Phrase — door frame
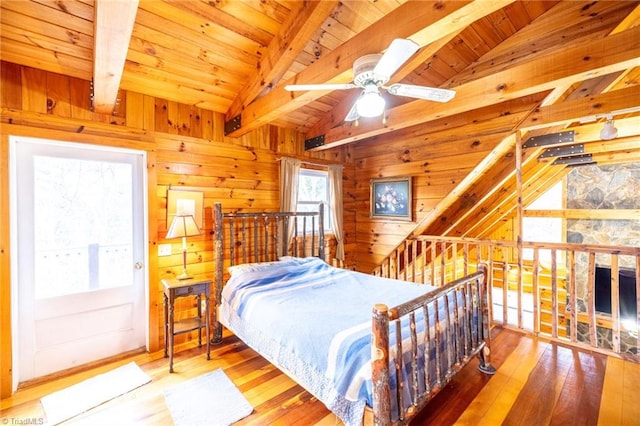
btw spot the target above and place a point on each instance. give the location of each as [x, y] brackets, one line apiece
[13, 237]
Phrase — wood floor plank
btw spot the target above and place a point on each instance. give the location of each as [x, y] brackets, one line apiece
[631, 392]
[579, 400]
[537, 398]
[494, 401]
[610, 401]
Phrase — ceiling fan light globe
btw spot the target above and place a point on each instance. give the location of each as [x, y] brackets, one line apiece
[370, 105]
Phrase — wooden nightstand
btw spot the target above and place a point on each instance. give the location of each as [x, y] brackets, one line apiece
[174, 289]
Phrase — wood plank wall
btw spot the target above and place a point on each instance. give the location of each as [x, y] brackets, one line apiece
[186, 149]
[438, 156]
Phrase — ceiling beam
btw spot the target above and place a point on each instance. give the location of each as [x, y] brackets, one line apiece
[113, 25]
[295, 33]
[439, 18]
[584, 60]
[578, 109]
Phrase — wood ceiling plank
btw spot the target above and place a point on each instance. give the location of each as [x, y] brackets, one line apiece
[208, 13]
[20, 53]
[518, 14]
[75, 8]
[44, 13]
[166, 49]
[614, 53]
[360, 11]
[44, 29]
[113, 26]
[218, 89]
[40, 41]
[282, 51]
[161, 17]
[242, 11]
[182, 69]
[537, 8]
[562, 25]
[339, 26]
[176, 93]
[276, 10]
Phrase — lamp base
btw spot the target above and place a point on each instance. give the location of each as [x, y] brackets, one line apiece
[184, 276]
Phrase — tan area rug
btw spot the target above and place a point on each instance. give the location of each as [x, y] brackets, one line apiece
[74, 400]
[208, 400]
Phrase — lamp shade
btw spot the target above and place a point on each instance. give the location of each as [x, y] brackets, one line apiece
[609, 131]
[183, 226]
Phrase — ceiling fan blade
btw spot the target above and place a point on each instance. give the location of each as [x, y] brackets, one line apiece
[397, 54]
[421, 92]
[353, 113]
[339, 86]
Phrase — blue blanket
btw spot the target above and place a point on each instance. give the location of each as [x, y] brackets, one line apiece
[313, 321]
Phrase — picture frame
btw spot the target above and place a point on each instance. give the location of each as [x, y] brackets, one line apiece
[185, 202]
[391, 198]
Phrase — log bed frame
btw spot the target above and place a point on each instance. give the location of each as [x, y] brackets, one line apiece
[258, 237]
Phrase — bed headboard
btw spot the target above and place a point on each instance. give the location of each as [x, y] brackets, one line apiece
[262, 237]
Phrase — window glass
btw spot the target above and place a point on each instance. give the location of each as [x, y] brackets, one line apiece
[544, 229]
[82, 225]
[313, 189]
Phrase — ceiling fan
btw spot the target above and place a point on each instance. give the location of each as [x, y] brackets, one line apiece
[371, 72]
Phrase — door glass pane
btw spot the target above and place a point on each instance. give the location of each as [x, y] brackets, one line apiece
[83, 225]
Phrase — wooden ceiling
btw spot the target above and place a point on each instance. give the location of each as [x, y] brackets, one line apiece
[234, 57]
[558, 65]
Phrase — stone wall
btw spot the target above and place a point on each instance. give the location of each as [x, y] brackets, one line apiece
[603, 187]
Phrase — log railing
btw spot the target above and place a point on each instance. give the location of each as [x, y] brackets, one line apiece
[548, 289]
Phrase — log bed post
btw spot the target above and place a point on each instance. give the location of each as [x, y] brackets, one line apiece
[218, 257]
[380, 366]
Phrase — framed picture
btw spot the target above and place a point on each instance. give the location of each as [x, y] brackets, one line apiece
[181, 202]
[391, 198]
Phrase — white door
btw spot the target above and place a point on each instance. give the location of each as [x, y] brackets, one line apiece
[79, 231]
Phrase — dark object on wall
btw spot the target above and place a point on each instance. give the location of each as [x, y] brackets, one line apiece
[626, 291]
[391, 198]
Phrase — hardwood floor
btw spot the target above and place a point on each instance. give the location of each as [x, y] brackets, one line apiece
[537, 383]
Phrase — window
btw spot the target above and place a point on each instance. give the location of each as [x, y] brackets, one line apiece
[313, 189]
[544, 229]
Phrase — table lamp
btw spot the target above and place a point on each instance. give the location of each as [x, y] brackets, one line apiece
[183, 226]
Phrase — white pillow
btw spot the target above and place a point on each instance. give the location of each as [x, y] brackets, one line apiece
[255, 267]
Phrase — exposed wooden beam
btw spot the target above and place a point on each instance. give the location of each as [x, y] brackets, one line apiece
[609, 214]
[295, 33]
[113, 26]
[573, 63]
[575, 110]
[440, 18]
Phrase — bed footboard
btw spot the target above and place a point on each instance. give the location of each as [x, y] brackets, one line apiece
[446, 329]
